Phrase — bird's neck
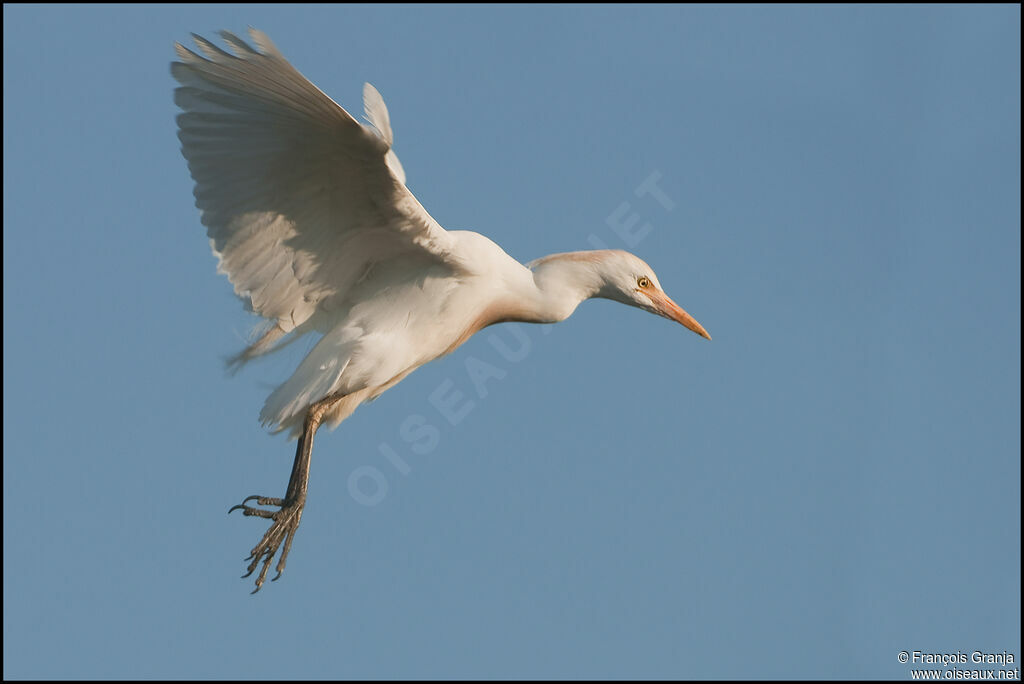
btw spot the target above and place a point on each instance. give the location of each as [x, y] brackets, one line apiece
[562, 281]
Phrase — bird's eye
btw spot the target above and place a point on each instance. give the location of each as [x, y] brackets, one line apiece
[643, 282]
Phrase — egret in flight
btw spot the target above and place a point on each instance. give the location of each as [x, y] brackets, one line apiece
[309, 216]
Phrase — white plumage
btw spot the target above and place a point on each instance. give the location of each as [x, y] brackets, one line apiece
[302, 203]
[309, 216]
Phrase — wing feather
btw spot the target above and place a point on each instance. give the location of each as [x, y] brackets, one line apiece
[298, 198]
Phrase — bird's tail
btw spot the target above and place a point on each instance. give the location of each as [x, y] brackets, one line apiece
[318, 376]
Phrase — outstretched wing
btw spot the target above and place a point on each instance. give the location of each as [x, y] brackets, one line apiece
[300, 201]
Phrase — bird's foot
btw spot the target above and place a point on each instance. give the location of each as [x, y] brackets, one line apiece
[286, 523]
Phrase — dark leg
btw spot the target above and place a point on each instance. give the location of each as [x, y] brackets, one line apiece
[289, 514]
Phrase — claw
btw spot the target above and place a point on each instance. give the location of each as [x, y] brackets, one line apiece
[286, 519]
[259, 498]
[278, 536]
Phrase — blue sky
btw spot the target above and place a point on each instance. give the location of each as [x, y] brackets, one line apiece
[834, 479]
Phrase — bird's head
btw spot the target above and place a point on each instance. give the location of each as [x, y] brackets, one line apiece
[628, 279]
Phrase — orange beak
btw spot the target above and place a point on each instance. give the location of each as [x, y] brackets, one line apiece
[669, 309]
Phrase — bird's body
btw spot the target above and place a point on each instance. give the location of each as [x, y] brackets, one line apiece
[398, 318]
[309, 215]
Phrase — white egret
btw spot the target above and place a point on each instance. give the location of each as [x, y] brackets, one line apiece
[310, 218]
